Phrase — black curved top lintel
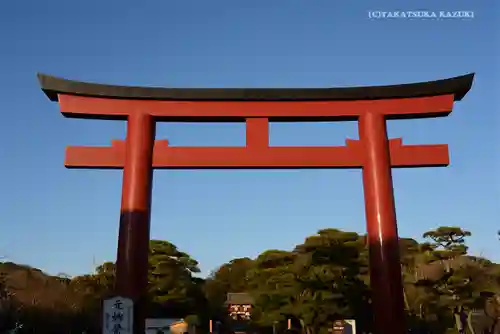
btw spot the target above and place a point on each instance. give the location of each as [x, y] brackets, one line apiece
[458, 86]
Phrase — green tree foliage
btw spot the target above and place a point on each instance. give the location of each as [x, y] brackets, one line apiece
[171, 273]
[322, 279]
[230, 277]
[271, 281]
[172, 287]
[329, 267]
[447, 242]
[8, 306]
[452, 284]
[309, 283]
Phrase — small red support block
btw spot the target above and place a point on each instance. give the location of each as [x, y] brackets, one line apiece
[435, 155]
[257, 132]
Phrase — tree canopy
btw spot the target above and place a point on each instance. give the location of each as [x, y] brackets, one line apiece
[321, 280]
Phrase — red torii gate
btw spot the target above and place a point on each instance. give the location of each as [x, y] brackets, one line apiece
[140, 153]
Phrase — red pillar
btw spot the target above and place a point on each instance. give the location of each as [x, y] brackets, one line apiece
[133, 239]
[385, 268]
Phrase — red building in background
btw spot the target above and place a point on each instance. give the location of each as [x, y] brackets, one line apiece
[239, 308]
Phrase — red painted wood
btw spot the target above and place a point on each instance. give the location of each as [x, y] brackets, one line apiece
[385, 268]
[72, 105]
[257, 133]
[349, 156]
[140, 154]
[133, 240]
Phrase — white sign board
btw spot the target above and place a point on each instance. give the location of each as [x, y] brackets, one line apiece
[118, 316]
[351, 327]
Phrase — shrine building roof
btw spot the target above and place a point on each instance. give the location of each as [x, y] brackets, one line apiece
[239, 298]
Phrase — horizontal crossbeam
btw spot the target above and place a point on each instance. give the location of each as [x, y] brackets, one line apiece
[257, 157]
[238, 111]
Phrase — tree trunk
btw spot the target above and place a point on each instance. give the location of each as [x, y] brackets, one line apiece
[496, 327]
[458, 320]
[469, 323]
[421, 310]
[407, 304]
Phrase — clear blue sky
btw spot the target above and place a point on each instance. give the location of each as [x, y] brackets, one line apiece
[59, 220]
